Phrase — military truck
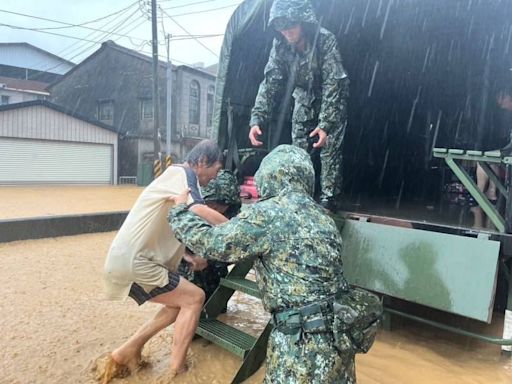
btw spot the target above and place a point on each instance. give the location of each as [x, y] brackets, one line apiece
[423, 81]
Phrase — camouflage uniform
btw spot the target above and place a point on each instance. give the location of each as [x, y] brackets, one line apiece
[223, 189]
[320, 89]
[296, 250]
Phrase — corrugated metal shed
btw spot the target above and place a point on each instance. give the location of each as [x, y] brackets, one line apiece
[41, 142]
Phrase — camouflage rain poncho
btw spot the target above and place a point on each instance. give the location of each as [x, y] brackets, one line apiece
[296, 248]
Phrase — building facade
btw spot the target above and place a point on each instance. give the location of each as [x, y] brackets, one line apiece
[18, 90]
[26, 62]
[115, 84]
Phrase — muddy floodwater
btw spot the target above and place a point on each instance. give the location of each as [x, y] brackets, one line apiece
[32, 201]
[55, 325]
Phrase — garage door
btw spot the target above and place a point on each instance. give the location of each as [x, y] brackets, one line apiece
[52, 162]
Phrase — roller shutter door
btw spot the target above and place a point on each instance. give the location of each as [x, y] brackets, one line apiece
[53, 162]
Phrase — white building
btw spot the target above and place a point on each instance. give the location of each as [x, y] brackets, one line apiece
[42, 143]
[18, 90]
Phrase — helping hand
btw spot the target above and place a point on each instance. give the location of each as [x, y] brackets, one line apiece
[322, 137]
[182, 198]
[253, 133]
[196, 263]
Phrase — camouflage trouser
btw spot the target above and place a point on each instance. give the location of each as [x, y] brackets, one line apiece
[330, 157]
[313, 360]
[208, 279]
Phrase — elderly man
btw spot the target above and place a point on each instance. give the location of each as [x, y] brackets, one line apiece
[305, 59]
[223, 195]
[144, 257]
[296, 248]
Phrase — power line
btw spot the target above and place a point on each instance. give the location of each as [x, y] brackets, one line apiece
[118, 25]
[188, 33]
[49, 33]
[80, 45]
[68, 25]
[121, 24]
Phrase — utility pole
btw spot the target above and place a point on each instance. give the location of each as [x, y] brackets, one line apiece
[169, 98]
[156, 99]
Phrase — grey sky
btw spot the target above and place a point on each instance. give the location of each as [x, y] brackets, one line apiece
[198, 17]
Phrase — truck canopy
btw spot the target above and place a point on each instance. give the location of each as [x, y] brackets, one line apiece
[423, 73]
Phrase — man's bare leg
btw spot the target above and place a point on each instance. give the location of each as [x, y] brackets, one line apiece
[182, 305]
[129, 353]
[190, 300]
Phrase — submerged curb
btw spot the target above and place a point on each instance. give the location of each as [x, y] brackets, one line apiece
[54, 226]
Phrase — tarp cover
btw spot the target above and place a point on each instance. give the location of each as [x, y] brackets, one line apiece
[422, 72]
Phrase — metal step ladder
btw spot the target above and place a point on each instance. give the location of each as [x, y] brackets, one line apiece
[454, 155]
[250, 349]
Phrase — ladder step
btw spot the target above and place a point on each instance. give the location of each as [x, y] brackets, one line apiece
[225, 336]
[493, 153]
[241, 284]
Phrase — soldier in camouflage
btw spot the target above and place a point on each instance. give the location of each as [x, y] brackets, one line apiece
[296, 248]
[305, 59]
[223, 195]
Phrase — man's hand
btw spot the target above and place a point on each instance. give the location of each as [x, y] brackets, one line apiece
[253, 133]
[195, 263]
[322, 137]
[182, 198]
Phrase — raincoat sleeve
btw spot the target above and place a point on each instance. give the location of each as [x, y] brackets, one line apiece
[240, 238]
[333, 111]
[275, 77]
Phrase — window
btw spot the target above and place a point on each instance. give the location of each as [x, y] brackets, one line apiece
[147, 108]
[209, 106]
[5, 100]
[194, 103]
[106, 110]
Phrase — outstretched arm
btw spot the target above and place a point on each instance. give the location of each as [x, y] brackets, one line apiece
[272, 84]
[333, 111]
[210, 215]
[232, 241]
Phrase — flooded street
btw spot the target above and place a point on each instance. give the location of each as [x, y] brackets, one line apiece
[34, 201]
[55, 325]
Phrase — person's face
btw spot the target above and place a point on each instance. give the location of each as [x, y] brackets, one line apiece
[206, 173]
[505, 101]
[293, 34]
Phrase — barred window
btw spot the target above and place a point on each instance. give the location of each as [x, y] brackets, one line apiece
[209, 106]
[147, 108]
[194, 103]
[106, 110]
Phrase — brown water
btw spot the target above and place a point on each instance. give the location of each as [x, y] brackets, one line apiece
[32, 201]
[55, 325]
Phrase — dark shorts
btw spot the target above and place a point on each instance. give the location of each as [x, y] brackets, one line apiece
[138, 293]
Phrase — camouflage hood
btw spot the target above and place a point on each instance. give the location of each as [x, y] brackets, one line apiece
[286, 168]
[299, 11]
[224, 189]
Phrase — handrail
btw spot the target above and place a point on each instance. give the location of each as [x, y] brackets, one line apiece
[487, 339]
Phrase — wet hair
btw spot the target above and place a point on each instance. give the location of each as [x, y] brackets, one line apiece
[206, 151]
